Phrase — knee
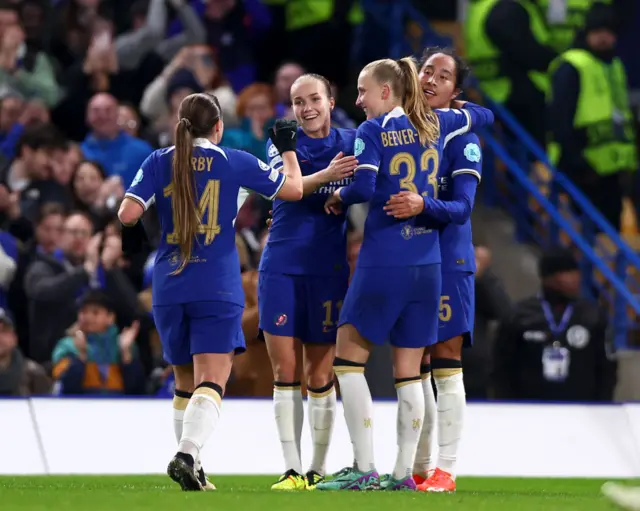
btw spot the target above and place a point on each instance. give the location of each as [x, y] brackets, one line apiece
[318, 367]
[320, 391]
[285, 371]
[319, 379]
[448, 350]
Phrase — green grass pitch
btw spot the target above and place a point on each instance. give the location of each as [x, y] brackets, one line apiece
[158, 493]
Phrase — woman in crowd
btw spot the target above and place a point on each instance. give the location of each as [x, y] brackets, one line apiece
[255, 111]
[94, 193]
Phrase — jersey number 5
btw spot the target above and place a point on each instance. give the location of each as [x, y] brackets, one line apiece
[209, 204]
[428, 163]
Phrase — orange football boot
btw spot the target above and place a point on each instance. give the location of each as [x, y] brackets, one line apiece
[439, 482]
[419, 478]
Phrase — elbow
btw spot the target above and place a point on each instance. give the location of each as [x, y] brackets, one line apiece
[365, 195]
[464, 216]
[291, 191]
[490, 117]
[487, 116]
[295, 194]
[130, 212]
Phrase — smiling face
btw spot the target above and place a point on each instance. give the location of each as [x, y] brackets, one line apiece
[312, 105]
[438, 80]
[372, 95]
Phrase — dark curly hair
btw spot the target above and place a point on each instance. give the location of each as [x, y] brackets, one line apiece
[462, 68]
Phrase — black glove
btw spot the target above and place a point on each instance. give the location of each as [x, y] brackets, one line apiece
[284, 135]
[134, 238]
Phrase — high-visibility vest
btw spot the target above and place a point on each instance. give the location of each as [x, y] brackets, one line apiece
[562, 33]
[304, 13]
[603, 97]
[484, 56]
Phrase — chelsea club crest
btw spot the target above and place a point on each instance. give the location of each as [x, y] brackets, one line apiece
[407, 232]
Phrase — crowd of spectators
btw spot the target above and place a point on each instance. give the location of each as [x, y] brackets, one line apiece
[88, 89]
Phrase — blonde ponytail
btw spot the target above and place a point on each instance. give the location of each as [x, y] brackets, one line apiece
[414, 102]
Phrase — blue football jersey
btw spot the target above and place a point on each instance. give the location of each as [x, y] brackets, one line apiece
[303, 239]
[222, 177]
[462, 156]
[389, 146]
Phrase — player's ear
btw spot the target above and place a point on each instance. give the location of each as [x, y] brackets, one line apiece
[386, 91]
[456, 93]
[218, 130]
[332, 103]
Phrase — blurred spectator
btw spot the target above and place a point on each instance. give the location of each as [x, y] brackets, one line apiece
[29, 177]
[65, 161]
[49, 229]
[99, 71]
[181, 84]
[73, 22]
[567, 18]
[553, 347]
[193, 33]
[492, 305]
[8, 265]
[19, 376]
[255, 110]
[15, 115]
[193, 69]
[592, 126]
[54, 283]
[27, 70]
[129, 120]
[318, 28]
[234, 28]
[119, 153]
[285, 75]
[11, 105]
[43, 240]
[507, 47]
[98, 358]
[94, 193]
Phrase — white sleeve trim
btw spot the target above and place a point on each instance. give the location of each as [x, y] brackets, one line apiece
[284, 178]
[243, 195]
[143, 203]
[366, 166]
[467, 171]
[460, 131]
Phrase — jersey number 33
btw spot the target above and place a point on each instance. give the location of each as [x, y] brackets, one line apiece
[428, 163]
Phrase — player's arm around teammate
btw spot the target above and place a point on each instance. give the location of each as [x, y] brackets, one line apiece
[300, 290]
[387, 89]
[200, 325]
[442, 76]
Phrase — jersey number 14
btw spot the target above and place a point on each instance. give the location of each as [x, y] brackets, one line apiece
[208, 205]
[428, 163]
